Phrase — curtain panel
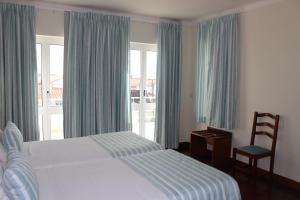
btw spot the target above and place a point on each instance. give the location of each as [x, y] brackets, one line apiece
[168, 85]
[217, 71]
[96, 75]
[18, 69]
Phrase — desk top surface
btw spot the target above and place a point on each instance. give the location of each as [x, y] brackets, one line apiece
[212, 134]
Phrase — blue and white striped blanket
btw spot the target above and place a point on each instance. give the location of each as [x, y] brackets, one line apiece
[181, 177]
[125, 143]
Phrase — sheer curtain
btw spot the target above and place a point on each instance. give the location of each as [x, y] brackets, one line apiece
[168, 85]
[96, 75]
[217, 71]
[18, 69]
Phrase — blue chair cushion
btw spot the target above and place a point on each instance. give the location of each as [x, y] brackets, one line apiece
[255, 150]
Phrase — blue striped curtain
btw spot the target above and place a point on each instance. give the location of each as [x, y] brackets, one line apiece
[168, 85]
[217, 71]
[96, 75]
[18, 69]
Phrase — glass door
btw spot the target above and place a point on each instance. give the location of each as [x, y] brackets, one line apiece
[55, 91]
[143, 88]
[150, 94]
[50, 53]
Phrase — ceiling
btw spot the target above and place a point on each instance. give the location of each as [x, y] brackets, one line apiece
[172, 9]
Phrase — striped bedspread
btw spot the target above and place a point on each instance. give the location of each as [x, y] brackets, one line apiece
[181, 177]
[125, 143]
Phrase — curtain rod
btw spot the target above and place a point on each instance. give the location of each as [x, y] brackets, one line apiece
[63, 7]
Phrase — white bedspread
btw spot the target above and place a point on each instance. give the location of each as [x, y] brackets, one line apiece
[108, 179]
[59, 152]
[157, 175]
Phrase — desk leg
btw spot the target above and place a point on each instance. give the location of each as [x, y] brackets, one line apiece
[197, 146]
[221, 152]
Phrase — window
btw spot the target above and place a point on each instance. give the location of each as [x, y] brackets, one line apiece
[50, 54]
[143, 88]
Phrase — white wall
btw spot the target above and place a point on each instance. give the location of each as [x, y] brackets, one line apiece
[269, 81]
[143, 32]
[270, 71]
[52, 23]
[187, 119]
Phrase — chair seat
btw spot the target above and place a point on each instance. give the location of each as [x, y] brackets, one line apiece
[255, 150]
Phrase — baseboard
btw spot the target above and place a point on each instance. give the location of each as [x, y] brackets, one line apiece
[277, 179]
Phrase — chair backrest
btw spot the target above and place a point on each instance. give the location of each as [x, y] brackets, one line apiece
[257, 122]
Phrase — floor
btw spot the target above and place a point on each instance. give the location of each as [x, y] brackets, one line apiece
[263, 189]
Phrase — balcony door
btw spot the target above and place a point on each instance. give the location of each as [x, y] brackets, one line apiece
[143, 59]
[50, 54]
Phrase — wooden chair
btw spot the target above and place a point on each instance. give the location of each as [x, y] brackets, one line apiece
[254, 152]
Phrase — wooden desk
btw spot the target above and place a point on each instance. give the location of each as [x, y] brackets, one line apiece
[219, 143]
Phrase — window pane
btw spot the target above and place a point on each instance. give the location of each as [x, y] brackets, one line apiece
[41, 127]
[135, 64]
[151, 64]
[57, 131]
[151, 58]
[135, 80]
[150, 123]
[39, 72]
[56, 75]
[151, 76]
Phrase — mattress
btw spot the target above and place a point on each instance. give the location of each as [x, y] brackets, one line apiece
[44, 154]
[103, 179]
[163, 174]
[50, 153]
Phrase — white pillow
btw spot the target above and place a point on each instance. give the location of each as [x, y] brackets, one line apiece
[3, 195]
[12, 137]
[19, 180]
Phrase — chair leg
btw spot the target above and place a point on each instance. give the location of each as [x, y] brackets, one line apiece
[254, 172]
[250, 162]
[250, 168]
[271, 167]
[271, 177]
[233, 162]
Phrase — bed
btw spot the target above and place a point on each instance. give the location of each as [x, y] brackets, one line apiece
[110, 145]
[163, 174]
[109, 166]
